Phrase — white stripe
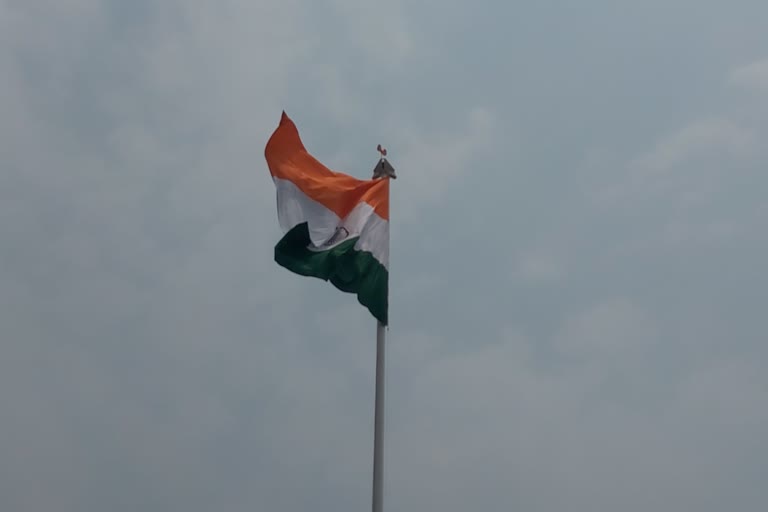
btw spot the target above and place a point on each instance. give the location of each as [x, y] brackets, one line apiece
[374, 235]
[295, 207]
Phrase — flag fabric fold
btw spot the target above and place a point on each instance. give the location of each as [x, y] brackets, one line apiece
[336, 226]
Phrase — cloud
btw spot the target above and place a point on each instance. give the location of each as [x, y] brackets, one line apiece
[383, 33]
[687, 166]
[695, 140]
[549, 351]
[689, 162]
[612, 326]
[752, 76]
[176, 362]
[433, 163]
[498, 418]
[538, 266]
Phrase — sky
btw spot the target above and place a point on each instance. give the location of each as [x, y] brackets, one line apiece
[578, 281]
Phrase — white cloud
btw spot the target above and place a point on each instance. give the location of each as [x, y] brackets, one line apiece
[381, 30]
[688, 163]
[752, 76]
[610, 328]
[431, 163]
[473, 422]
[685, 169]
[700, 138]
[538, 266]
[154, 357]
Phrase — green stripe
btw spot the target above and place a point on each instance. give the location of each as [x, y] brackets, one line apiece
[348, 269]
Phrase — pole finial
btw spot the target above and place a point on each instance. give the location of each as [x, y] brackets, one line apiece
[383, 168]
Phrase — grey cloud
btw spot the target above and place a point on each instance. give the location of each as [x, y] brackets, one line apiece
[753, 75]
[554, 344]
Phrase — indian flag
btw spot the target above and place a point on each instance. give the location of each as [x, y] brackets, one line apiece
[336, 226]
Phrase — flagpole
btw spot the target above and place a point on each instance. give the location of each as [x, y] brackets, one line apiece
[378, 422]
[382, 170]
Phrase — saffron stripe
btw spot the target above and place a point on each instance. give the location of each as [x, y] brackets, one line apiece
[288, 159]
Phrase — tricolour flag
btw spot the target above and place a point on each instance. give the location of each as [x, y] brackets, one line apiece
[336, 226]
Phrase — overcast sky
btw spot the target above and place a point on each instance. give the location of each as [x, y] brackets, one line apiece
[578, 280]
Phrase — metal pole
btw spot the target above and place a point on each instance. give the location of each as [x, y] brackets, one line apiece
[382, 170]
[378, 422]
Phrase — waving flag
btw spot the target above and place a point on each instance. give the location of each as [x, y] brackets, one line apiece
[336, 226]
